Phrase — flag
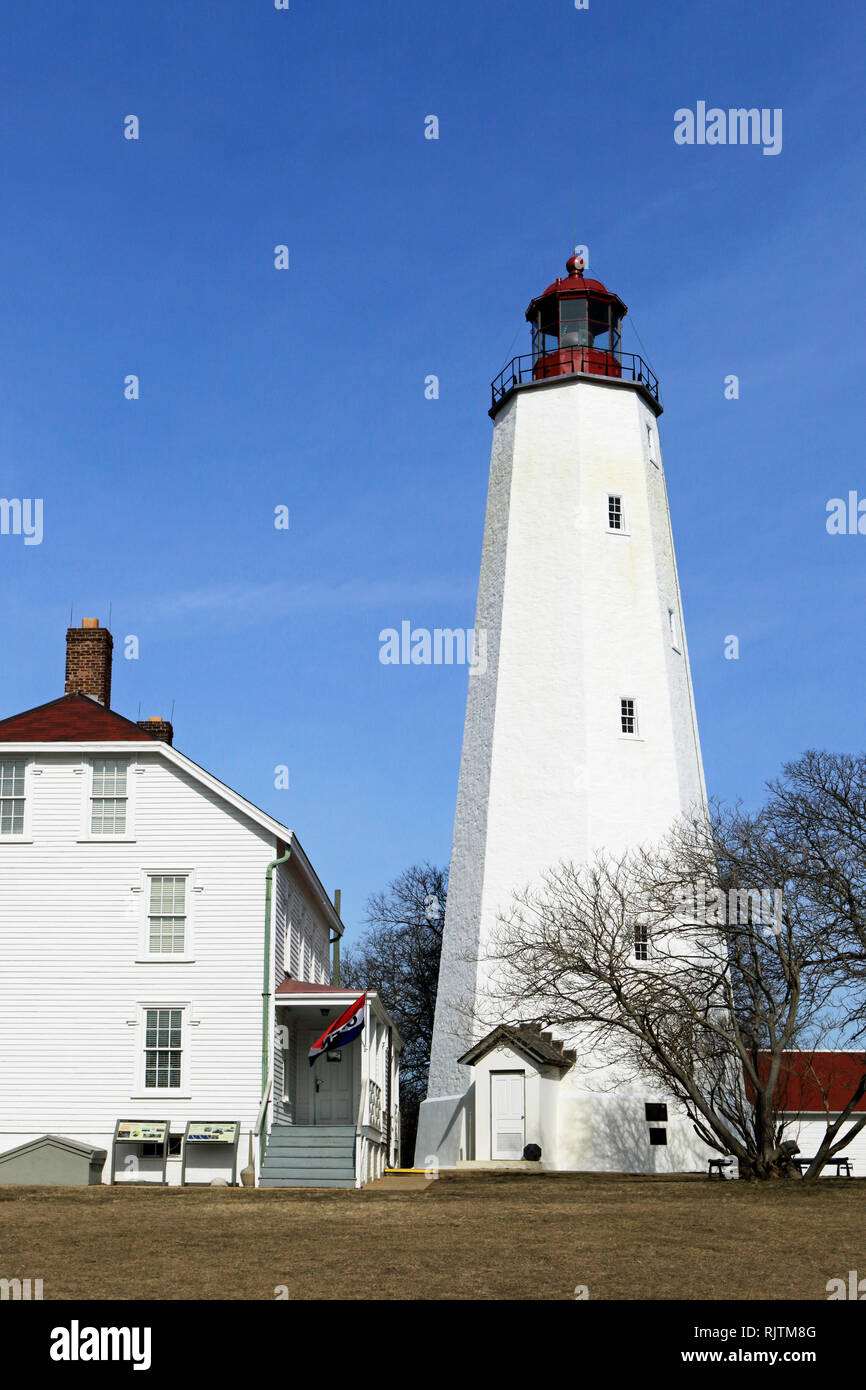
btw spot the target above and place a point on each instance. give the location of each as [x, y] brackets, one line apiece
[344, 1029]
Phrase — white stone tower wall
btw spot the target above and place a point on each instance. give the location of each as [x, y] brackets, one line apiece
[577, 617]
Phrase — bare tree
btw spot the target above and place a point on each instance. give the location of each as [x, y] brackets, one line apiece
[398, 955]
[702, 963]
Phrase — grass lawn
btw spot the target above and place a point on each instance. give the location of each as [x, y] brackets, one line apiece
[484, 1236]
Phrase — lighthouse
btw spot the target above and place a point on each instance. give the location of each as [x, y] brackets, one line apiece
[580, 733]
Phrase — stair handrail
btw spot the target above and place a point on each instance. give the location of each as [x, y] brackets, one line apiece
[266, 1095]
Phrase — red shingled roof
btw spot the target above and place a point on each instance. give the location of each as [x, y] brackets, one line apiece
[71, 719]
[818, 1081]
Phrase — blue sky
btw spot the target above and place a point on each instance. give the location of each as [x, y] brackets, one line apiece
[409, 257]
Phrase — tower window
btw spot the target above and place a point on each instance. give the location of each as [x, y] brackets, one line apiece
[658, 1136]
[650, 445]
[675, 630]
[656, 1112]
[641, 952]
[628, 717]
[615, 518]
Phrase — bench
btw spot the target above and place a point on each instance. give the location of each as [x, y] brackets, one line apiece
[842, 1165]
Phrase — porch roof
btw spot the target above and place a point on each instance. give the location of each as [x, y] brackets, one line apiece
[288, 986]
[290, 991]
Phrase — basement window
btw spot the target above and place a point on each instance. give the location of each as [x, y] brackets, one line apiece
[175, 1145]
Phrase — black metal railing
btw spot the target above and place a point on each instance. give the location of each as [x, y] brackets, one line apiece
[583, 361]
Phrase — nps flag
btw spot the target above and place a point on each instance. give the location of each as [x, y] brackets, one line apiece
[344, 1029]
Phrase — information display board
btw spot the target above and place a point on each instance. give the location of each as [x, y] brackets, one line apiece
[217, 1142]
[133, 1136]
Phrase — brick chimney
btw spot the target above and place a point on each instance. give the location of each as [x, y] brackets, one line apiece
[157, 727]
[88, 661]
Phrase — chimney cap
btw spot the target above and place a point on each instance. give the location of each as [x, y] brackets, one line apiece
[90, 622]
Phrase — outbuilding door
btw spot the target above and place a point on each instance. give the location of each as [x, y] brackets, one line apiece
[507, 1130]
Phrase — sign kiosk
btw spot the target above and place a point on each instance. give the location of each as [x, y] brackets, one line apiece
[146, 1143]
[214, 1145]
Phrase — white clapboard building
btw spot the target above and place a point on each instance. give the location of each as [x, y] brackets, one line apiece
[166, 959]
[580, 734]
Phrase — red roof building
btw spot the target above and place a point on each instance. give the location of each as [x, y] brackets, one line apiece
[817, 1082]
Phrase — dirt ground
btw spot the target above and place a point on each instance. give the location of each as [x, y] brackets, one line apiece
[489, 1236]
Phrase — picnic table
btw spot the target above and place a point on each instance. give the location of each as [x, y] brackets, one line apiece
[842, 1165]
[718, 1165]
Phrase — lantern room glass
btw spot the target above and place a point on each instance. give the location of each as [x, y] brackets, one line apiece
[578, 322]
[573, 325]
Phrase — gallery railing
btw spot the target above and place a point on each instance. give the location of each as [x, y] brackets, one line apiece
[626, 366]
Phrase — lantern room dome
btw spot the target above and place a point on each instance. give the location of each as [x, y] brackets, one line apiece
[571, 283]
[576, 283]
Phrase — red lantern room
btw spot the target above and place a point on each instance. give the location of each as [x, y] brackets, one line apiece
[576, 331]
[576, 327]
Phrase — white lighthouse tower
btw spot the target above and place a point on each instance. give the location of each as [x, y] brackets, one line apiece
[580, 733]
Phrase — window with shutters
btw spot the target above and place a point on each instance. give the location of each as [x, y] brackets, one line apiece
[108, 797]
[12, 799]
[167, 914]
[163, 1049]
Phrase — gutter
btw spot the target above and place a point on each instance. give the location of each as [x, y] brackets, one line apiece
[267, 983]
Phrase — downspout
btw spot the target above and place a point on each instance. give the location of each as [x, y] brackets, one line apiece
[335, 944]
[266, 984]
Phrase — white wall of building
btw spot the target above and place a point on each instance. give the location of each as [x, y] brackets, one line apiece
[577, 617]
[809, 1130]
[76, 975]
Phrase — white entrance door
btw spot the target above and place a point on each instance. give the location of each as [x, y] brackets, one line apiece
[506, 1114]
[331, 1081]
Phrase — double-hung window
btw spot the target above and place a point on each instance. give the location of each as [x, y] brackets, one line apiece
[12, 796]
[108, 797]
[163, 1048]
[628, 717]
[166, 915]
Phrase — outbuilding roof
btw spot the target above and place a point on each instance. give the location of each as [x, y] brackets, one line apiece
[541, 1047]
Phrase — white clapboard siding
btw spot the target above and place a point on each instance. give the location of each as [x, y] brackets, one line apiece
[809, 1131]
[72, 931]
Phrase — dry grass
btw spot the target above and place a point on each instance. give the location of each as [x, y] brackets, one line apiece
[489, 1236]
